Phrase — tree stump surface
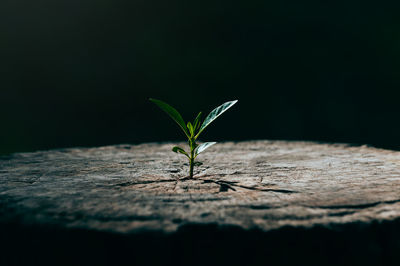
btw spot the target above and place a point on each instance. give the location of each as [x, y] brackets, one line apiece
[262, 185]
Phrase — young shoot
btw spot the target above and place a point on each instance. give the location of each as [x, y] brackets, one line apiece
[193, 130]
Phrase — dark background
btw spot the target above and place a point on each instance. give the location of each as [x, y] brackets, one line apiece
[79, 73]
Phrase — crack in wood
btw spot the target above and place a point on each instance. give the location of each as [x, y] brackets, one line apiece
[356, 206]
[232, 184]
[224, 185]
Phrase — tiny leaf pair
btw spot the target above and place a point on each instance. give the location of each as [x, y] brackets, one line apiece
[193, 130]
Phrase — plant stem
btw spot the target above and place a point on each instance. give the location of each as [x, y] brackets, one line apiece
[191, 168]
[192, 145]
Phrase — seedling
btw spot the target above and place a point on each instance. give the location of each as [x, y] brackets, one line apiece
[193, 130]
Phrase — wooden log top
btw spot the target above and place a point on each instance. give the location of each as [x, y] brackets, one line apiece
[255, 184]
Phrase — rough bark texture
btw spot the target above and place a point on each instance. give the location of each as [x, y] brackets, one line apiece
[255, 188]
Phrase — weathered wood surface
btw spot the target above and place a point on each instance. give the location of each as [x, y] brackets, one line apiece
[257, 184]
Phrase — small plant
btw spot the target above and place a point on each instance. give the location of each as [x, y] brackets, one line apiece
[193, 130]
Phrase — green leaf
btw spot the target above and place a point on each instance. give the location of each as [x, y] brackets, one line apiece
[173, 113]
[202, 147]
[179, 150]
[191, 129]
[197, 163]
[196, 123]
[214, 114]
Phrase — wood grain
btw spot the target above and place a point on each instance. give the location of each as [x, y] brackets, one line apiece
[260, 185]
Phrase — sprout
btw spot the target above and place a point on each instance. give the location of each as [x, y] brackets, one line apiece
[193, 130]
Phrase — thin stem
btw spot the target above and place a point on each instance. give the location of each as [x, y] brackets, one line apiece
[191, 168]
[192, 145]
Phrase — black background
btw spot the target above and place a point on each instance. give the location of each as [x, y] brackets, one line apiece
[79, 73]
